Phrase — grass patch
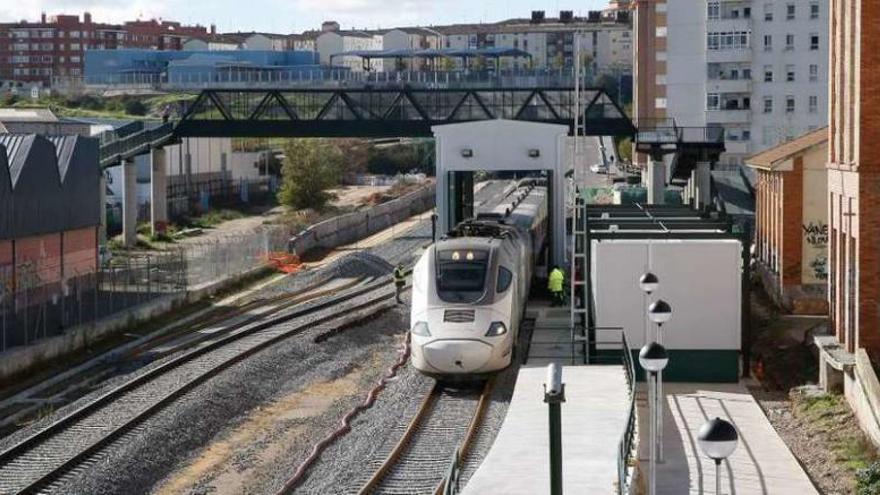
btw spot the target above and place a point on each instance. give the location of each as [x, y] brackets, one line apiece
[214, 217]
[831, 414]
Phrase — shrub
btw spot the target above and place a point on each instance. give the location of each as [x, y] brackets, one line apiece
[868, 480]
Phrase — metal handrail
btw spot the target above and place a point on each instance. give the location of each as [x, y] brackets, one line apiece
[625, 447]
[133, 143]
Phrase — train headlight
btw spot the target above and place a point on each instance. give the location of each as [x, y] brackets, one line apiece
[421, 329]
[496, 328]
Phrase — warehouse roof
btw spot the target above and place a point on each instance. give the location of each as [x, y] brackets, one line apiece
[772, 158]
[53, 183]
[27, 115]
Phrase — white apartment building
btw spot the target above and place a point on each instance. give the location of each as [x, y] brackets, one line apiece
[758, 68]
[331, 43]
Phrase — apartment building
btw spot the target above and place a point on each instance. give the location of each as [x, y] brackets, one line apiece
[758, 68]
[605, 42]
[330, 43]
[38, 52]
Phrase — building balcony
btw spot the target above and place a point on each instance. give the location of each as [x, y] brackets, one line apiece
[729, 86]
[730, 24]
[722, 56]
[728, 116]
[738, 147]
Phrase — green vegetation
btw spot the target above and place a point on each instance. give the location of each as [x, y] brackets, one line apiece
[399, 159]
[212, 218]
[311, 166]
[87, 105]
[830, 413]
[868, 480]
[624, 149]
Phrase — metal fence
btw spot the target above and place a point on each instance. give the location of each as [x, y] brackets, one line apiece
[31, 309]
[230, 255]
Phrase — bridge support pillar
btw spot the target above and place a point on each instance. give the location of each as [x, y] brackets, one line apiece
[129, 203]
[102, 200]
[703, 185]
[158, 190]
[656, 181]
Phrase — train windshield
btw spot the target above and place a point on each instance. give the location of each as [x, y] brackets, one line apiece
[461, 274]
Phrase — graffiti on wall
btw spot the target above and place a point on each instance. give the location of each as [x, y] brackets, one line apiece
[815, 250]
[816, 234]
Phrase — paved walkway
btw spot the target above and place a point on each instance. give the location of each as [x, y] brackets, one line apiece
[761, 464]
[593, 420]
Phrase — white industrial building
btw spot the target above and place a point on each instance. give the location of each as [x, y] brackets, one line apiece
[761, 66]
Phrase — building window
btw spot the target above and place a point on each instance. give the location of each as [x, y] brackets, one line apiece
[789, 12]
[746, 135]
[789, 73]
[713, 101]
[814, 41]
[660, 103]
[729, 40]
[814, 72]
[768, 42]
[789, 42]
[768, 12]
[714, 10]
[768, 73]
[767, 136]
[768, 104]
[789, 104]
[814, 10]
[74, 46]
[814, 104]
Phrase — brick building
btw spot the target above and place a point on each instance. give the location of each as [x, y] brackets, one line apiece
[49, 211]
[854, 175]
[791, 226]
[52, 49]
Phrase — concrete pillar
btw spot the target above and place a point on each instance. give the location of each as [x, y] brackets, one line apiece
[158, 190]
[656, 182]
[692, 189]
[129, 203]
[703, 184]
[102, 200]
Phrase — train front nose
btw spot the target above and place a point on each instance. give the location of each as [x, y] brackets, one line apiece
[457, 356]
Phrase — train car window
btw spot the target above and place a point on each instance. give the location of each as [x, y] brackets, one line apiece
[461, 274]
[505, 277]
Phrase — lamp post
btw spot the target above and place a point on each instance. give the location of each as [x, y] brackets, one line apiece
[648, 283]
[653, 359]
[659, 312]
[717, 439]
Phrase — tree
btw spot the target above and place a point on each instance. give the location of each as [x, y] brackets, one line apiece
[311, 166]
[135, 107]
[356, 154]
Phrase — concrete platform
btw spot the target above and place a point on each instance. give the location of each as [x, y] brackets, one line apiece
[593, 421]
[761, 464]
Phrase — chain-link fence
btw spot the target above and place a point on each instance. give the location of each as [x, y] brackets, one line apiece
[32, 309]
[232, 254]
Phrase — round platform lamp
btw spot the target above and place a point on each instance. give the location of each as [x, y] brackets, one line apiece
[648, 283]
[660, 312]
[653, 358]
[718, 439]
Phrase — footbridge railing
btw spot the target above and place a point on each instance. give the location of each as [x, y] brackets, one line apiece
[626, 446]
[136, 144]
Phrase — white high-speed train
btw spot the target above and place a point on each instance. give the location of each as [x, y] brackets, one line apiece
[470, 288]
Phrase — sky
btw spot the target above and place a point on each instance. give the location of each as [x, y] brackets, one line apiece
[294, 15]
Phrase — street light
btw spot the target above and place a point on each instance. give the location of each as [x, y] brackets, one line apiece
[648, 283]
[660, 312]
[718, 439]
[653, 358]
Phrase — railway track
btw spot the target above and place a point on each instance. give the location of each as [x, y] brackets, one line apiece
[40, 461]
[444, 426]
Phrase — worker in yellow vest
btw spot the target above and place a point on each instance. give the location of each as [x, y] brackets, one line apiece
[555, 283]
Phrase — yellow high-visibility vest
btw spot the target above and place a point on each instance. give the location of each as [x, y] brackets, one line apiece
[556, 280]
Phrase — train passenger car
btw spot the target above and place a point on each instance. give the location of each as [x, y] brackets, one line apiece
[470, 289]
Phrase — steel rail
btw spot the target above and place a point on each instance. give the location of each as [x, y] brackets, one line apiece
[417, 423]
[59, 426]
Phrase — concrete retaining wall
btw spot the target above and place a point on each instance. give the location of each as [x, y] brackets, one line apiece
[862, 390]
[351, 227]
